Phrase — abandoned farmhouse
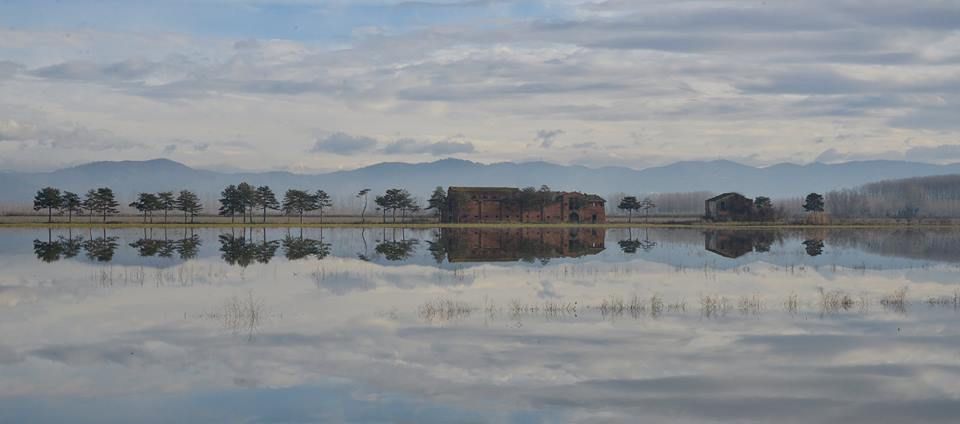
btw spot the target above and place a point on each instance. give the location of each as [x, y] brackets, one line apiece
[508, 204]
[729, 207]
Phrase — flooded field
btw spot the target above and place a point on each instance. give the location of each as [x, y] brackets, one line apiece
[479, 325]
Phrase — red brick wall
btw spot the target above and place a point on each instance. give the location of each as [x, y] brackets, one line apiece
[498, 206]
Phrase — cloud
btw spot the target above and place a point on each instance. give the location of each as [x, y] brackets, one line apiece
[9, 69]
[440, 148]
[943, 152]
[65, 136]
[343, 144]
[547, 137]
[169, 149]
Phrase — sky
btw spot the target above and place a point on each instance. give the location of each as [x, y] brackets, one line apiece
[312, 86]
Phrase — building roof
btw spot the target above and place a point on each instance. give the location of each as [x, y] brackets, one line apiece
[727, 194]
[483, 189]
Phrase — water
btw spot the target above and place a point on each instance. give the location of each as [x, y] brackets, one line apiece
[519, 325]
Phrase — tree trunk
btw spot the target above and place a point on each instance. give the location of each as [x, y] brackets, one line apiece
[49, 215]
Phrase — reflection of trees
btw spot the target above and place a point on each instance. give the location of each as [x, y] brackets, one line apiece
[631, 245]
[237, 250]
[814, 247]
[47, 251]
[295, 248]
[186, 247]
[52, 251]
[101, 249]
[71, 245]
[396, 250]
[438, 248]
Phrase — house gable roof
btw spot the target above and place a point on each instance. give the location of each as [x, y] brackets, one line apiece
[728, 194]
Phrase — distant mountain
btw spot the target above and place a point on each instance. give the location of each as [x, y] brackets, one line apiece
[129, 177]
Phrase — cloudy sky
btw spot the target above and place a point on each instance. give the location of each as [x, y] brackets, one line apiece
[306, 85]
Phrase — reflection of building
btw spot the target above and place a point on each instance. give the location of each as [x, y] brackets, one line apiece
[729, 207]
[512, 244]
[736, 243]
[507, 204]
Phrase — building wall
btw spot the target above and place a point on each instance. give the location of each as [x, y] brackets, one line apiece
[498, 205]
[729, 208]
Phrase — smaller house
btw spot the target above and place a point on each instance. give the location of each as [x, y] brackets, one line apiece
[729, 207]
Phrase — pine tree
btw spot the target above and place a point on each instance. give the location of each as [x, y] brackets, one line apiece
[265, 199]
[188, 203]
[71, 203]
[166, 202]
[47, 198]
[322, 200]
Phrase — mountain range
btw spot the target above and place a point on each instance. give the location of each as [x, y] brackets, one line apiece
[781, 180]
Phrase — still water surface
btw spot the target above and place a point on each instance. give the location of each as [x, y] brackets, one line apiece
[468, 325]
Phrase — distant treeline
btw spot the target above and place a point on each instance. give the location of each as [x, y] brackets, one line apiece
[934, 197]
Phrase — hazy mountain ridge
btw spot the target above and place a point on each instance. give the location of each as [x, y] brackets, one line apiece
[129, 177]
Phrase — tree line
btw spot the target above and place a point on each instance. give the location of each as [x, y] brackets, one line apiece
[243, 200]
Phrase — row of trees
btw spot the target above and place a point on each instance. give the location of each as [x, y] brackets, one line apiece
[631, 204]
[185, 201]
[103, 203]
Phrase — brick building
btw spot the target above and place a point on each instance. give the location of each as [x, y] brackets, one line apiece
[508, 204]
[729, 207]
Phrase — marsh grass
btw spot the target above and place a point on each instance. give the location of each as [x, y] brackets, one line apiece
[792, 304]
[444, 309]
[750, 304]
[896, 301]
[834, 301]
[948, 301]
[715, 306]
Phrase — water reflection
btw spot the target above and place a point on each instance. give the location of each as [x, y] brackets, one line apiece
[517, 244]
[437, 326]
[299, 247]
[632, 245]
[450, 246]
[736, 243]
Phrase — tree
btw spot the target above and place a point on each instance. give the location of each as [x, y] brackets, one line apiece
[188, 203]
[646, 204]
[47, 198]
[526, 197]
[166, 203]
[298, 202]
[544, 196]
[383, 203]
[629, 204]
[321, 200]
[106, 202]
[405, 202]
[146, 203]
[392, 200]
[90, 203]
[764, 208]
[813, 203]
[437, 201]
[230, 202]
[246, 200]
[265, 199]
[71, 203]
[363, 193]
